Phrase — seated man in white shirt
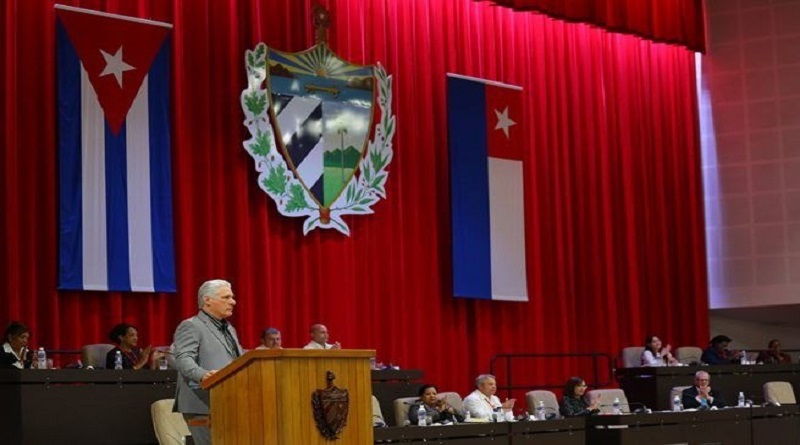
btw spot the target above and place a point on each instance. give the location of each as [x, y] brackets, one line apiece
[319, 338]
[482, 402]
[270, 339]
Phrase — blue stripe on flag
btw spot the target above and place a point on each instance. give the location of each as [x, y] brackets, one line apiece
[70, 252]
[469, 185]
[161, 173]
[119, 277]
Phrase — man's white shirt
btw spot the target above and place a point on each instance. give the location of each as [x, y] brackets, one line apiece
[480, 406]
[314, 345]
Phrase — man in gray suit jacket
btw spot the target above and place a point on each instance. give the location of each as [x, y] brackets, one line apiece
[203, 345]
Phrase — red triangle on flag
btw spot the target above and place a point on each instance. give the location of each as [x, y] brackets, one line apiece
[116, 52]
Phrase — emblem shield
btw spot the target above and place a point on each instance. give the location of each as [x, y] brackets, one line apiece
[321, 109]
[331, 406]
[310, 116]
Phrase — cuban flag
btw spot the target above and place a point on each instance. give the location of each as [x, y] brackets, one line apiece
[486, 141]
[115, 191]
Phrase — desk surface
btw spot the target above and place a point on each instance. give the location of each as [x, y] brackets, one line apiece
[51, 376]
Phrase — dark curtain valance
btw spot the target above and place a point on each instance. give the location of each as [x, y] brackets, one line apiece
[672, 21]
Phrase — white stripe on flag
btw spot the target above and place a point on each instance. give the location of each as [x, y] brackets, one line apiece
[313, 164]
[140, 240]
[507, 230]
[93, 188]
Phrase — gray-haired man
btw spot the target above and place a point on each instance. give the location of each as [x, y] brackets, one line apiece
[203, 345]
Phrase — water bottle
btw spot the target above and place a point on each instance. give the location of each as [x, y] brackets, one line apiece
[499, 415]
[616, 406]
[118, 360]
[741, 403]
[540, 414]
[467, 416]
[41, 359]
[743, 360]
[676, 404]
[422, 416]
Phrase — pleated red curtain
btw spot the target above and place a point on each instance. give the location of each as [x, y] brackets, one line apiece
[676, 21]
[614, 199]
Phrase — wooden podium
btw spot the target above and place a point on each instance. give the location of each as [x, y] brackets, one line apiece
[265, 396]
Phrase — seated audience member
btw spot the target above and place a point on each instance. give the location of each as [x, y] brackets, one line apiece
[319, 338]
[773, 354]
[482, 402]
[15, 352]
[270, 339]
[438, 410]
[574, 404]
[127, 339]
[717, 353]
[701, 395]
[656, 355]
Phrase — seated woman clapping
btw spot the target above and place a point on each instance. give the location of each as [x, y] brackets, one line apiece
[655, 354]
[574, 404]
[437, 410]
[127, 339]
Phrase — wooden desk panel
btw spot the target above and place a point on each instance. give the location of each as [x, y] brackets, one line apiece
[75, 406]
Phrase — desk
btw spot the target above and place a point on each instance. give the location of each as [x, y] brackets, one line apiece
[390, 384]
[570, 431]
[778, 425]
[462, 434]
[76, 406]
[727, 426]
[652, 385]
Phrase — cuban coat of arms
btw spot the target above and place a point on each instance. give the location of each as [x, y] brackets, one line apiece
[310, 115]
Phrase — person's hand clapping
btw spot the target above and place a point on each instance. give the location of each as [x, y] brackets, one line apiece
[144, 357]
[509, 404]
[336, 345]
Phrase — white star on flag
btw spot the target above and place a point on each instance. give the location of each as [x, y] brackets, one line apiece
[115, 65]
[503, 122]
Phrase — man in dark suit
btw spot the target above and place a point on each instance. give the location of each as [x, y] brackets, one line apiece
[701, 395]
[203, 345]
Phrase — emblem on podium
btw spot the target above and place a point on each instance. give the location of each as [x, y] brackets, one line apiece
[310, 115]
[331, 406]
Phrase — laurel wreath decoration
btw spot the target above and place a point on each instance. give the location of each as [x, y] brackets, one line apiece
[277, 180]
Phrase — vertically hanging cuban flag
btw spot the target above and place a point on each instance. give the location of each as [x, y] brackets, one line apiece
[486, 139]
[114, 152]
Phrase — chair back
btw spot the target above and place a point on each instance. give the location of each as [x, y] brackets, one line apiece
[453, 399]
[532, 398]
[377, 415]
[779, 392]
[401, 409]
[95, 354]
[632, 356]
[688, 354]
[170, 427]
[676, 391]
[607, 397]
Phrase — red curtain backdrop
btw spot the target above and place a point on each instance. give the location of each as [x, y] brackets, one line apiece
[614, 210]
[675, 21]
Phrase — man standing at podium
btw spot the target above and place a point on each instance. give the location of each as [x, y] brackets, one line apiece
[203, 345]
